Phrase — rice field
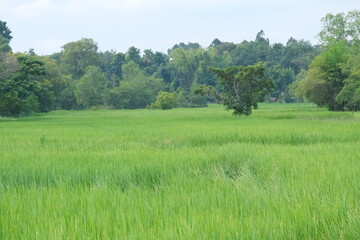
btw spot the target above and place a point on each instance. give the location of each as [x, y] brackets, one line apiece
[285, 172]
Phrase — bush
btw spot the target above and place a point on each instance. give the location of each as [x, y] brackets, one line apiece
[165, 100]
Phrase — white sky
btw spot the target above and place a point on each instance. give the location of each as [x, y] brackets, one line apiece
[46, 25]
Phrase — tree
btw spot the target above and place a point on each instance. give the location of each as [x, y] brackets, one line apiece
[242, 87]
[184, 64]
[184, 46]
[77, 56]
[249, 53]
[136, 90]
[340, 27]
[203, 75]
[282, 78]
[133, 54]
[8, 65]
[112, 67]
[53, 83]
[215, 42]
[297, 55]
[349, 96]
[20, 92]
[332, 80]
[5, 31]
[325, 78]
[153, 62]
[165, 100]
[90, 89]
[5, 37]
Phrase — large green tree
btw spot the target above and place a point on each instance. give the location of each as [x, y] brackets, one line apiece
[242, 87]
[77, 56]
[325, 77]
[20, 92]
[332, 79]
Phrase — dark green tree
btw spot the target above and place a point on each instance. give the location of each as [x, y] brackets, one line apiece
[112, 63]
[5, 37]
[133, 54]
[242, 87]
[20, 92]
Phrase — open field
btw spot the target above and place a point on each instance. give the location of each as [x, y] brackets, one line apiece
[285, 172]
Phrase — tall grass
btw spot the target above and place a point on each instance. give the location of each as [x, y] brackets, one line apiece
[285, 172]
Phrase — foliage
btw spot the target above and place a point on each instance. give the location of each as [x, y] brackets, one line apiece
[243, 87]
[283, 77]
[112, 67]
[349, 96]
[5, 38]
[19, 93]
[133, 54]
[182, 70]
[325, 77]
[165, 100]
[8, 65]
[333, 79]
[184, 64]
[135, 90]
[90, 89]
[79, 55]
[340, 27]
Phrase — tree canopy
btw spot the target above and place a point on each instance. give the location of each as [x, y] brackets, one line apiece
[333, 77]
[80, 76]
[242, 87]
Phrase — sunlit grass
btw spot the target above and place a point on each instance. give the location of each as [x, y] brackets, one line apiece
[285, 172]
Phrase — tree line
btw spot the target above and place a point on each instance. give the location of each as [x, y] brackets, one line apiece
[82, 77]
[333, 77]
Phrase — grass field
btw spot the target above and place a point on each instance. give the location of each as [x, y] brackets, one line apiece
[285, 172]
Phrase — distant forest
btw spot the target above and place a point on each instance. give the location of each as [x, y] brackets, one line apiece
[82, 77]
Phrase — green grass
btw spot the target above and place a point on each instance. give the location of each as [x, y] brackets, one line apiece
[285, 172]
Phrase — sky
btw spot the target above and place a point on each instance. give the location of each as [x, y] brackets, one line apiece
[47, 25]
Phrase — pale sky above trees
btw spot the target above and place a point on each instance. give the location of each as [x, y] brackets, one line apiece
[46, 25]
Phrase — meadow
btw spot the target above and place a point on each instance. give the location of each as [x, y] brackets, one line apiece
[285, 172]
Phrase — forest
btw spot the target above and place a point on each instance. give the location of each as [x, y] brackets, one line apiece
[82, 77]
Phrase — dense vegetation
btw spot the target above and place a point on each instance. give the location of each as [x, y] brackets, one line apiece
[81, 77]
[181, 174]
[333, 79]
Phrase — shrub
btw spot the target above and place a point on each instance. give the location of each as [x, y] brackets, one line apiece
[165, 100]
